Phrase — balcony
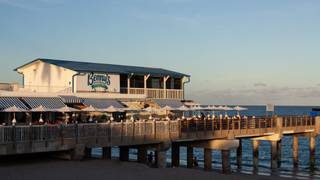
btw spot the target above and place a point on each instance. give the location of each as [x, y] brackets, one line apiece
[155, 93]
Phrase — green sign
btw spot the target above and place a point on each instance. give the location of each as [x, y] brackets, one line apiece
[98, 81]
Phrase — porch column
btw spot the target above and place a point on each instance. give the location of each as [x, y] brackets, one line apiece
[128, 83]
[146, 77]
[165, 86]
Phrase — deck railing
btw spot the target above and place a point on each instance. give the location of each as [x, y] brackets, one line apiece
[116, 132]
[149, 131]
[155, 93]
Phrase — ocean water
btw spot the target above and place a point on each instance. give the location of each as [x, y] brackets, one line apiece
[286, 170]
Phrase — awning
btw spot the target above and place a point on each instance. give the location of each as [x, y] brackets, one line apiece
[102, 103]
[71, 100]
[6, 102]
[47, 102]
[168, 102]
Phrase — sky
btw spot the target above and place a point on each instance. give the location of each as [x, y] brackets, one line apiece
[236, 51]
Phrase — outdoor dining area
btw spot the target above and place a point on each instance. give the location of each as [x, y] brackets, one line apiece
[38, 111]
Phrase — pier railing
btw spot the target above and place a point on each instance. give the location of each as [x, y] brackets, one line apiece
[65, 136]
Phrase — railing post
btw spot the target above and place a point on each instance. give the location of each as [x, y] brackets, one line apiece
[169, 128]
[61, 134]
[220, 119]
[46, 134]
[76, 132]
[179, 128]
[121, 131]
[133, 129]
[279, 125]
[96, 132]
[154, 129]
[13, 136]
[144, 130]
[30, 135]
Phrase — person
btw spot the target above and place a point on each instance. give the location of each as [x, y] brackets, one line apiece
[195, 162]
[150, 158]
[202, 116]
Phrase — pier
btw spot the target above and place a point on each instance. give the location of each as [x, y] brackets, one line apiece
[75, 141]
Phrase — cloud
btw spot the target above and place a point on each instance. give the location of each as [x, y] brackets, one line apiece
[259, 84]
[261, 96]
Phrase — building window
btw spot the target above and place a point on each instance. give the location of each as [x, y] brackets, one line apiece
[123, 81]
[137, 81]
[155, 82]
[177, 83]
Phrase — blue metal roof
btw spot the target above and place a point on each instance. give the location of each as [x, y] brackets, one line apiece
[109, 68]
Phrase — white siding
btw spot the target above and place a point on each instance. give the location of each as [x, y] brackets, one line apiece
[44, 77]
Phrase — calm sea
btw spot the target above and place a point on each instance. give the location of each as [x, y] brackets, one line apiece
[286, 170]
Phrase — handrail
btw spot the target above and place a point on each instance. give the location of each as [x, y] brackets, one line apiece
[149, 130]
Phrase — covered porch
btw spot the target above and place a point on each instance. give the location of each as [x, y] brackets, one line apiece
[156, 87]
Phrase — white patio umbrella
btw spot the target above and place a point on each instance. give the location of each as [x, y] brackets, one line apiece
[89, 109]
[211, 108]
[14, 109]
[225, 109]
[238, 109]
[128, 109]
[112, 109]
[67, 109]
[197, 108]
[183, 108]
[151, 110]
[41, 109]
[167, 108]
[132, 110]
[221, 108]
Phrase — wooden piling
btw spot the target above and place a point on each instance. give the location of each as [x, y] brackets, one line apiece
[189, 156]
[275, 154]
[142, 154]
[124, 153]
[207, 159]
[175, 155]
[239, 154]
[226, 168]
[255, 145]
[295, 150]
[106, 152]
[87, 152]
[312, 146]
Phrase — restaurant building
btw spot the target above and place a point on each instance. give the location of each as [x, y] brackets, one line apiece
[87, 79]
